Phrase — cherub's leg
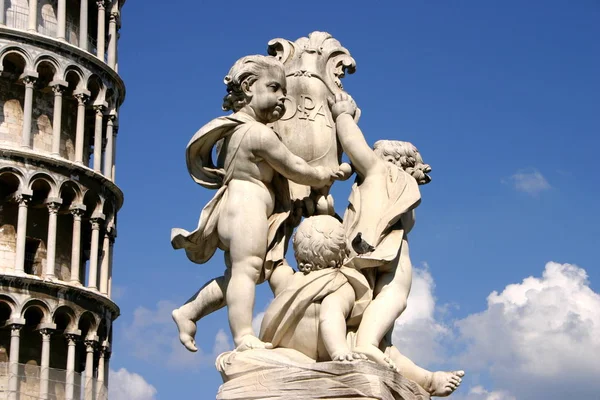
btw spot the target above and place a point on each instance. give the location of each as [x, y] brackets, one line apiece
[210, 298]
[335, 308]
[248, 246]
[391, 292]
[439, 383]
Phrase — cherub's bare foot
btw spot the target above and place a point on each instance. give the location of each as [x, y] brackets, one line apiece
[374, 354]
[444, 383]
[249, 342]
[187, 330]
[348, 356]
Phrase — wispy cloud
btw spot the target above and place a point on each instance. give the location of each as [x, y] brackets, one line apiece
[152, 337]
[529, 181]
[125, 385]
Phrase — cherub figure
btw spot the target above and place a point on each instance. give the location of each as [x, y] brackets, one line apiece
[377, 221]
[237, 219]
[311, 306]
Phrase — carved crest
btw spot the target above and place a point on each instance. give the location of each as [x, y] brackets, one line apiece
[314, 67]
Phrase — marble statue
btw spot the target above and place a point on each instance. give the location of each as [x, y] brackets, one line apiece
[278, 154]
[237, 218]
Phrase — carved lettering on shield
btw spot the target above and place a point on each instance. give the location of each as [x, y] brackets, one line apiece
[306, 109]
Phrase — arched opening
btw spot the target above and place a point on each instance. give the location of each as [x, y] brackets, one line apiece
[17, 14]
[5, 314]
[13, 65]
[31, 341]
[43, 110]
[87, 326]
[9, 186]
[91, 201]
[47, 17]
[30, 349]
[12, 97]
[64, 318]
[96, 96]
[69, 117]
[37, 227]
[70, 196]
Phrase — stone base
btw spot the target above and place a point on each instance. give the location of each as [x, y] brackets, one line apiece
[284, 374]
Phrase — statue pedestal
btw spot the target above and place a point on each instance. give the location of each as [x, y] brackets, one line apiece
[284, 374]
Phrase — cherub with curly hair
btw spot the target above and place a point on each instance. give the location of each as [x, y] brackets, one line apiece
[377, 222]
[244, 213]
[311, 307]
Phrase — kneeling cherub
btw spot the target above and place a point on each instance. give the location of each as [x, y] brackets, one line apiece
[313, 307]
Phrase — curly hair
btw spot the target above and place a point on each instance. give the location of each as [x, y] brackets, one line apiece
[320, 242]
[246, 69]
[406, 156]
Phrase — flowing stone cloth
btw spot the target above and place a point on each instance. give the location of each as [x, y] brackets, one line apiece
[392, 219]
[288, 311]
[201, 244]
[284, 374]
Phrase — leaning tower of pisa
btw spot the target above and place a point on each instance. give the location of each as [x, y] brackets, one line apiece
[60, 94]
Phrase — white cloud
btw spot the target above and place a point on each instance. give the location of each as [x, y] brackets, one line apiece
[529, 181]
[152, 336]
[538, 339]
[125, 385]
[480, 393]
[417, 333]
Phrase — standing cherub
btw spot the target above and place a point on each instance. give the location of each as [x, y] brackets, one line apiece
[377, 221]
[237, 219]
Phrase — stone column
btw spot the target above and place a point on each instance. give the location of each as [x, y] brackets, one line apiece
[107, 367]
[108, 151]
[117, 51]
[104, 267]
[13, 374]
[58, 89]
[113, 173]
[100, 378]
[82, 98]
[112, 39]
[89, 370]
[23, 199]
[45, 364]
[101, 48]
[2, 13]
[61, 20]
[29, 81]
[70, 383]
[83, 25]
[110, 262]
[53, 205]
[32, 17]
[99, 110]
[93, 277]
[77, 212]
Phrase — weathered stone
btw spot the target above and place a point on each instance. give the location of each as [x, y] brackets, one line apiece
[277, 374]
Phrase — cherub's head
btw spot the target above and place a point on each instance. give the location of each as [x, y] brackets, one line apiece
[320, 242]
[258, 82]
[406, 156]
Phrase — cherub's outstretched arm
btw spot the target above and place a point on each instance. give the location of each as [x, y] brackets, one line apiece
[268, 146]
[364, 160]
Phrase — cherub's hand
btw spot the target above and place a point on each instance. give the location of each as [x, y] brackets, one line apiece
[342, 104]
[327, 175]
[346, 171]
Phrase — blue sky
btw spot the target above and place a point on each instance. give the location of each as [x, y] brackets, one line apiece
[502, 98]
